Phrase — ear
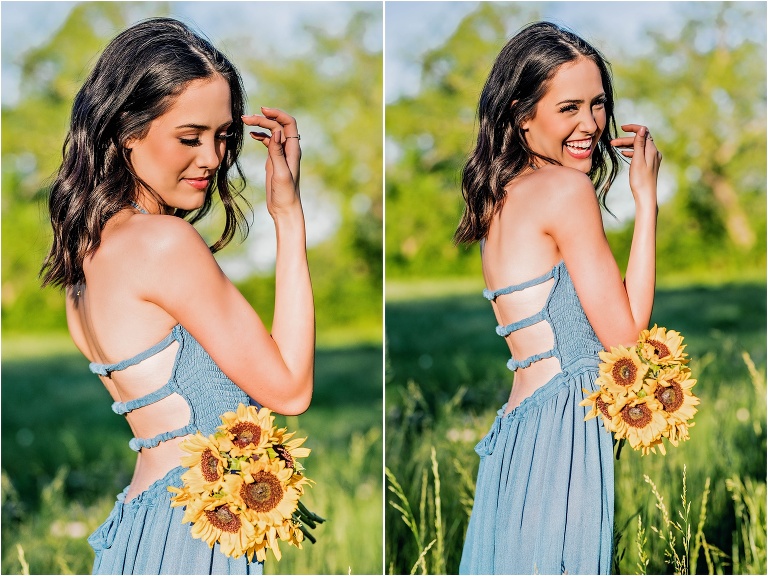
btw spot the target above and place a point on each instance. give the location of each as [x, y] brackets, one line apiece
[523, 125]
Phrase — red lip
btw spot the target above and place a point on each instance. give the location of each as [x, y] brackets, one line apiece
[197, 183]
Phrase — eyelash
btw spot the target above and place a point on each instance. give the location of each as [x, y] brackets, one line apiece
[196, 141]
[573, 107]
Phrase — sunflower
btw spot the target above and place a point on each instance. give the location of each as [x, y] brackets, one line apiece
[598, 403]
[289, 450]
[248, 430]
[206, 464]
[639, 420]
[662, 346]
[621, 371]
[217, 520]
[673, 391]
[267, 491]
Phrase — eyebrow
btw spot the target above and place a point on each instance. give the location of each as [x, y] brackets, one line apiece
[573, 101]
[202, 127]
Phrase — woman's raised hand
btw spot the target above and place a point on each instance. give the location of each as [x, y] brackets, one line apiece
[644, 167]
[283, 161]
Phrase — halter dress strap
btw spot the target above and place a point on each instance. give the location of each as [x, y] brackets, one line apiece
[139, 208]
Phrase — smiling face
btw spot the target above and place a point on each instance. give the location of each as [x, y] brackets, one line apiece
[183, 148]
[570, 117]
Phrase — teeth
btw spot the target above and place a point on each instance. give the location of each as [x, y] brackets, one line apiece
[583, 146]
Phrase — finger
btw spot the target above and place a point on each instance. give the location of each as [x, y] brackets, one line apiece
[277, 156]
[625, 141]
[632, 127]
[640, 141]
[280, 116]
[263, 138]
[291, 131]
[261, 122]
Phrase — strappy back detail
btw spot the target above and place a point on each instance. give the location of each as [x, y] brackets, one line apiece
[561, 308]
[107, 369]
[541, 315]
[195, 377]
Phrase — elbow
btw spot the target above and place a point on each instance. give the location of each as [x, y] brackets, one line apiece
[297, 405]
[297, 401]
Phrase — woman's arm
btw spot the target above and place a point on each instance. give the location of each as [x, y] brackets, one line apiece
[184, 279]
[617, 310]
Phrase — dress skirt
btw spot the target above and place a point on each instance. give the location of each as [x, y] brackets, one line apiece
[145, 536]
[544, 497]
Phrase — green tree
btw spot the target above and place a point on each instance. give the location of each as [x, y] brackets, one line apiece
[705, 88]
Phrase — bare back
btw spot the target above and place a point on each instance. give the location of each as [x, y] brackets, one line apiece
[110, 321]
[516, 250]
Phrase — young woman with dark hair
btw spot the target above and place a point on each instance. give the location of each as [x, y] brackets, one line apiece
[547, 142]
[155, 132]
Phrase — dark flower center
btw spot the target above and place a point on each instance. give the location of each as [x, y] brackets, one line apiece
[637, 416]
[603, 407]
[624, 372]
[659, 348]
[284, 454]
[264, 494]
[245, 433]
[223, 519]
[209, 465]
[671, 397]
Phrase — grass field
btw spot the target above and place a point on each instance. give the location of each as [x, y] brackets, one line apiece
[65, 456]
[446, 377]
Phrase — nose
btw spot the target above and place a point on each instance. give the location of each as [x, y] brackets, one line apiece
[588, 122]
[209, 154]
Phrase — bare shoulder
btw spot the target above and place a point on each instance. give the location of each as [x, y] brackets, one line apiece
[560, 183]
[553, 193]
[148, 238]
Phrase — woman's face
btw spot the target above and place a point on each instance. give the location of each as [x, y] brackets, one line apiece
[183, 148]
[570, 117]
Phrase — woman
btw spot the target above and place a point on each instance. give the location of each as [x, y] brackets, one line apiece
[544, 500]
[155, 131]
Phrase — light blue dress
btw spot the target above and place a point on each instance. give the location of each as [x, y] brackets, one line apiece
[145, 535]
[544, 497]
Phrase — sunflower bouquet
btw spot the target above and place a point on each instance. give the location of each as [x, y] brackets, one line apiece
[644, 392]
[243, 486]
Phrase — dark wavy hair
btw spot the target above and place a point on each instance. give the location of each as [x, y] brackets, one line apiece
[518, 80]
[135, 80]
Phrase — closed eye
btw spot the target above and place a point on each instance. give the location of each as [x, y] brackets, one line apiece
[190, 141]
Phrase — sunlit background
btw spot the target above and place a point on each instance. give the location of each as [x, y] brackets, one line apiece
[64, 453]
[695, 73]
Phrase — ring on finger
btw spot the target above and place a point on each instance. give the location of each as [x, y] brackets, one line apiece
[298, 137]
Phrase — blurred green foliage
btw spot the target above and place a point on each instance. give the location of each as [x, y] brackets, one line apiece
[703, 92]
[334, 86]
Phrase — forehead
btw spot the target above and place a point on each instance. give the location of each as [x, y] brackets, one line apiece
[574, 78]
[206, 102]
